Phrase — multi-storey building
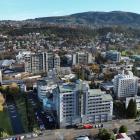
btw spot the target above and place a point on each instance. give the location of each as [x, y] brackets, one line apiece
[41, 62]
[113, 56]
[50, 61]
[56, 61]
[100, 106]
[37, 63]
[22, 55]
[45, 88]
[125, 85]
[76, 103]
[82, 58]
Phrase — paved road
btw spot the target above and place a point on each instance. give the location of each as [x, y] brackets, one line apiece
[15, 119]
[130, 123]
[67, 134]
[59, 134]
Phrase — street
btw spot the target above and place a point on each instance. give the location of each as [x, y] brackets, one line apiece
[60, 134]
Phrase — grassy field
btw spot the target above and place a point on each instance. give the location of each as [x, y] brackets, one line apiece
[5, 122]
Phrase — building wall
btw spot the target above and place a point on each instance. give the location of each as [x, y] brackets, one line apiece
[125, 85]
[113, 56]
[99, 109]
[81, 107]
[82, 58]
[41, 62]
[44, 89]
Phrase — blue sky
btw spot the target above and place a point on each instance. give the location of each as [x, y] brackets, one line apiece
[25, 9]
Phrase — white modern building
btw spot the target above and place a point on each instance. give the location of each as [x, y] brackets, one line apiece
[125, 85]
[76, 103]
[136, 98]
[22, 55]
[45, 88]
[82, 58]
[113, 56]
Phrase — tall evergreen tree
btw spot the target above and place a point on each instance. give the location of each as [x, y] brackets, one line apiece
[131, 111]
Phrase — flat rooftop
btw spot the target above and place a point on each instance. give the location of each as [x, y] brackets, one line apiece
[98, 92]
[69, 87]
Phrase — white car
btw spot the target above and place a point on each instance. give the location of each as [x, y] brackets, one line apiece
[35, 135]
[22, 137]
[28, 136]
[82, 138]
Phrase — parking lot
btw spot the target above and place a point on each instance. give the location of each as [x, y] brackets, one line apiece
[45, 120]
[15, 118]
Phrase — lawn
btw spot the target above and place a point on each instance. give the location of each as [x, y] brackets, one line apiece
[5, 122]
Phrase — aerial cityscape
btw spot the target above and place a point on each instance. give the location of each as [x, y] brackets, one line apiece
[70, 70]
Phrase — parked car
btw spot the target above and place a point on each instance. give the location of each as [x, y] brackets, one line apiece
[34, 135]
[98, 125]
[87, 126]
[70, 126]
[82, 138]
[79, 126]
[22, 137]
[28, 136]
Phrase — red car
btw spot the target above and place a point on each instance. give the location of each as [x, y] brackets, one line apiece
[87, 126]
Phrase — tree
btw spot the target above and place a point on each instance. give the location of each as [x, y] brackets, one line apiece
[123, 129]
[115, 130]
[92, 85]
[1, 132]
[79, 72]
[131, 111]
[95, 68]
[13, 88]
[2, 101]
[99, 59]
[104, 134]
[29, 113]
[119, 108]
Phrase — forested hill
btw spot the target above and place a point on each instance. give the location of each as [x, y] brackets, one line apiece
[95, 19]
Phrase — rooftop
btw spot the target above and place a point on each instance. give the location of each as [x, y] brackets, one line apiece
[69, 87]
[122, 136]
[98, 92]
